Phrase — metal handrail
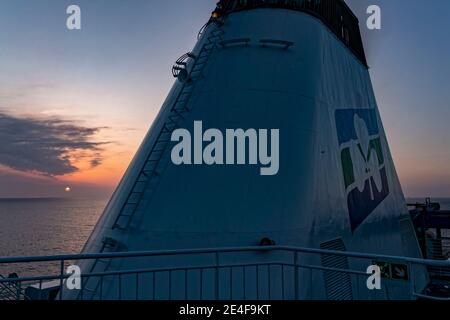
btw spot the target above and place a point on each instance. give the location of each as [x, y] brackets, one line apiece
[425, 262]
[216, 251]
[174, 269]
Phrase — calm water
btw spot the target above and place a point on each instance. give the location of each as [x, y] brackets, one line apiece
[45, 227]
[30, 227]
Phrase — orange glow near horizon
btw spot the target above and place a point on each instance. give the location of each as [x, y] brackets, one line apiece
[107, 174]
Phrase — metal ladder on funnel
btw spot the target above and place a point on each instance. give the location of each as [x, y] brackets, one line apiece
[88, 293]
[150, 173]
[154, 162]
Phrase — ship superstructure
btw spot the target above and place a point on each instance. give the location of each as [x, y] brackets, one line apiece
[297, 67]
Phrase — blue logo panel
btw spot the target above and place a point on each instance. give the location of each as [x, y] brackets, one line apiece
[363, 162]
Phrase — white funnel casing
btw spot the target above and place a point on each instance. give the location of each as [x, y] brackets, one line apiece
[336, 181]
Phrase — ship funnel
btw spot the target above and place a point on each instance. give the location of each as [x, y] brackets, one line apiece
[267, 81]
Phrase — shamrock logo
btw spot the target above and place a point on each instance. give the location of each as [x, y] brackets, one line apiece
[366, 162]
[363, 162]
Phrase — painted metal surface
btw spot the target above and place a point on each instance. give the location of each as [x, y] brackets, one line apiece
[227, 273]
[337, 179]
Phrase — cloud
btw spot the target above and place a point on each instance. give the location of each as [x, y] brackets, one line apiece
[47, 146]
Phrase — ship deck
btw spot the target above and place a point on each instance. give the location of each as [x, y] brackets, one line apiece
[240, 264]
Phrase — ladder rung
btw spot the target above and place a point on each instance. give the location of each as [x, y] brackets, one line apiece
[198, 68]
[103, 261]
[163, 141]
[133, 203]
[177, 106]
[202, 60]
[178, 114]
[173, 129]
[183, 110]
[125, 215]
[191, 55]
[201, 63]
[207, 53]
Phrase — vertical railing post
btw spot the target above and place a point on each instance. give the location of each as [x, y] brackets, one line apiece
[137, 286]
[170, 285]
[257, 282]
[40, 290]
[120, 287]
[231, 283]
[82, 289]
[282, 283]
[101, 287]
[243, 283]
[269, 280]
[19, 289]
[61, 279]
[216, 285]
[412, 288]
[201, 284]
[153, 286]
[296, 275]
[186, 284]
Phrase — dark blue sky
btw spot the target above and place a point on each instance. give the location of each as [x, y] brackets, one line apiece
[410, 70]
[115, 73]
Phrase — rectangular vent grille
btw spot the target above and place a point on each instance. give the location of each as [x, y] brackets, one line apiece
[338, 284]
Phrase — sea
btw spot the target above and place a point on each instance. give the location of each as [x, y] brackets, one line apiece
[41, 227]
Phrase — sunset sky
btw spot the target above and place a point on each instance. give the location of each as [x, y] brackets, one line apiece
[74, 105]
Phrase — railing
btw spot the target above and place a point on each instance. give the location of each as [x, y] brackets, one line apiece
[433, 230]
[11, 290]
[334, 13]
[252, 273]
[438, 249]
